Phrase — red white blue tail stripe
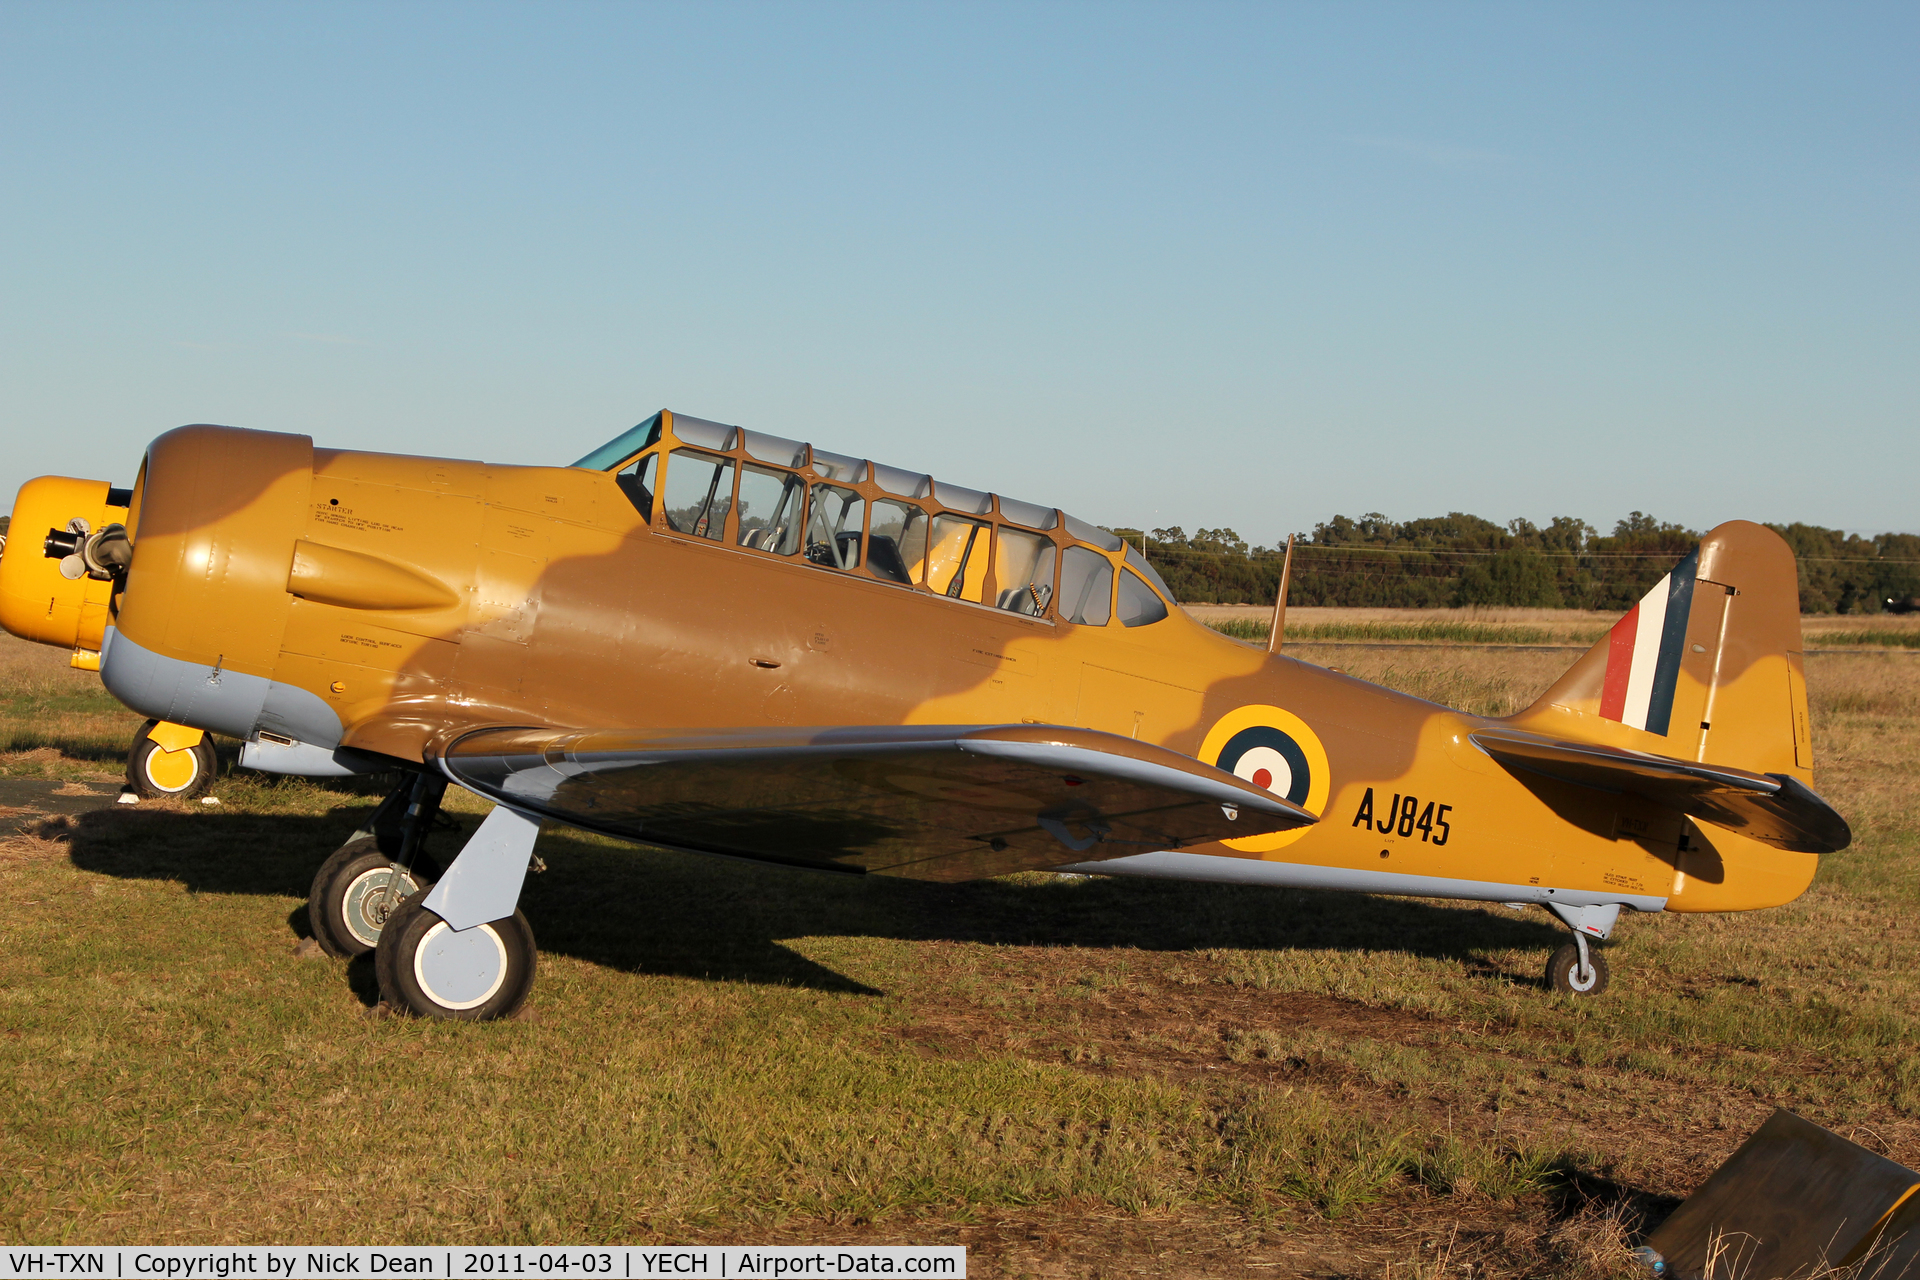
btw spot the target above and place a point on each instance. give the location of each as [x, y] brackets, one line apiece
[1644, 652]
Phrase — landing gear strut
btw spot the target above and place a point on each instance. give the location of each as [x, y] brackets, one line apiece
[445, 945]
[359, 887]
[462, 949]
[1578, 969]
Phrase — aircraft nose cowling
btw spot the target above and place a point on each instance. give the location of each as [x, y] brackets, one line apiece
[215, 517]
[41, 597]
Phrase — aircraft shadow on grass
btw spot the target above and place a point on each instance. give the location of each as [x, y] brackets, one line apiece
[651, 911]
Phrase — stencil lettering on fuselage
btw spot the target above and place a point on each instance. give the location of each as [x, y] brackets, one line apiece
[1135, 706]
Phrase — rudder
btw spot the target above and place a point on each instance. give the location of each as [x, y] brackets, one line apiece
[1707, 667]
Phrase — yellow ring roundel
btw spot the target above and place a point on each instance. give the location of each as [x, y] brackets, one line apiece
[1276, 750]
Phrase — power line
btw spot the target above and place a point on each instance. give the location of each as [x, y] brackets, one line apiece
[1163, 549]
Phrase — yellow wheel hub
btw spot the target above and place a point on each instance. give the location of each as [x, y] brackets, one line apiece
[172, 770]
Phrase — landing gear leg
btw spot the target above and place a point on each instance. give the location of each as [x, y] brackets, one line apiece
[463, 949]
[1577, 968]
[359, 887]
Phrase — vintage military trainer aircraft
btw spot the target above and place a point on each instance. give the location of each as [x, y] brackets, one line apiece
[709, 639]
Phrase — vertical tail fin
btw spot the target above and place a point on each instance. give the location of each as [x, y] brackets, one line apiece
[1706, 667]
[1645, 649]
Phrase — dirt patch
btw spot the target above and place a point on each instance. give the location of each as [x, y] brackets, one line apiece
[1166, 1020]
[1410, 1235]
[24, 799]
[1176, 1018]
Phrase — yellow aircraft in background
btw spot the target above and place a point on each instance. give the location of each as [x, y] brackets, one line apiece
[714, 640]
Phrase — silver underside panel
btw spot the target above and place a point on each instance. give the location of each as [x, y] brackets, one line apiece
[1294, 875]
[305, 760]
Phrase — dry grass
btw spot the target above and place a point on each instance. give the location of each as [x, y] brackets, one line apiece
[1069, 1076]
[1311, 615]
[56, 721]
[39, 842]
[1483, 681]
[1411, 626]
[1511, 626]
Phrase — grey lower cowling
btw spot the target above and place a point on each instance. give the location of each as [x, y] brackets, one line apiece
[205, 697]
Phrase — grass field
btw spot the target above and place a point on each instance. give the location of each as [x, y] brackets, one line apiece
[1511, 626]
[1071, 1077]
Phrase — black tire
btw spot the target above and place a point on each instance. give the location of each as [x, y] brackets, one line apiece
[345, 907]
[1563, 971]
[156, 774]
[489, 969]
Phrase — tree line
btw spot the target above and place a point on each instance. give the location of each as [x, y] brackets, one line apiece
[1458, 560]
[1461, 560]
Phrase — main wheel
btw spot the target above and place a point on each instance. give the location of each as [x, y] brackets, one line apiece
[155, 773]
[351, 899]
[1563, 971]
[427, 969]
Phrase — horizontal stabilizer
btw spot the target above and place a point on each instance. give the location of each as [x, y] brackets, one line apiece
[929, 802]
[1769, 807]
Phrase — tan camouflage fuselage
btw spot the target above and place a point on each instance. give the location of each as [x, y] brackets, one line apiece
[410, 599]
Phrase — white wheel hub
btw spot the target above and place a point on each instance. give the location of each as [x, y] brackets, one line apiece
[460, 970]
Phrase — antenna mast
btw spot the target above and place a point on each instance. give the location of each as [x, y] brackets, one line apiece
[1280, 601]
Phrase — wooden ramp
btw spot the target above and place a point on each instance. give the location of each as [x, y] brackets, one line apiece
[1896, 1255]
[1795, 1202]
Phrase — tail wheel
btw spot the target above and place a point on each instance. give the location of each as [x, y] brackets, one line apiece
[476, 974]
[1564, 975]
[155, 773]
[353, 896]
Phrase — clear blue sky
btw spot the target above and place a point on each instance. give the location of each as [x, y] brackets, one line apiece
[1242, 265]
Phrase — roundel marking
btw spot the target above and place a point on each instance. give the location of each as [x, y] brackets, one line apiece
[1276, 751]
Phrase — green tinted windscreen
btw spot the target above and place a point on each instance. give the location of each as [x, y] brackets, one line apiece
[623, 446]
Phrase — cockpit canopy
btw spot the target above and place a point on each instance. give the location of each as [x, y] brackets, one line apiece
[783, 497]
